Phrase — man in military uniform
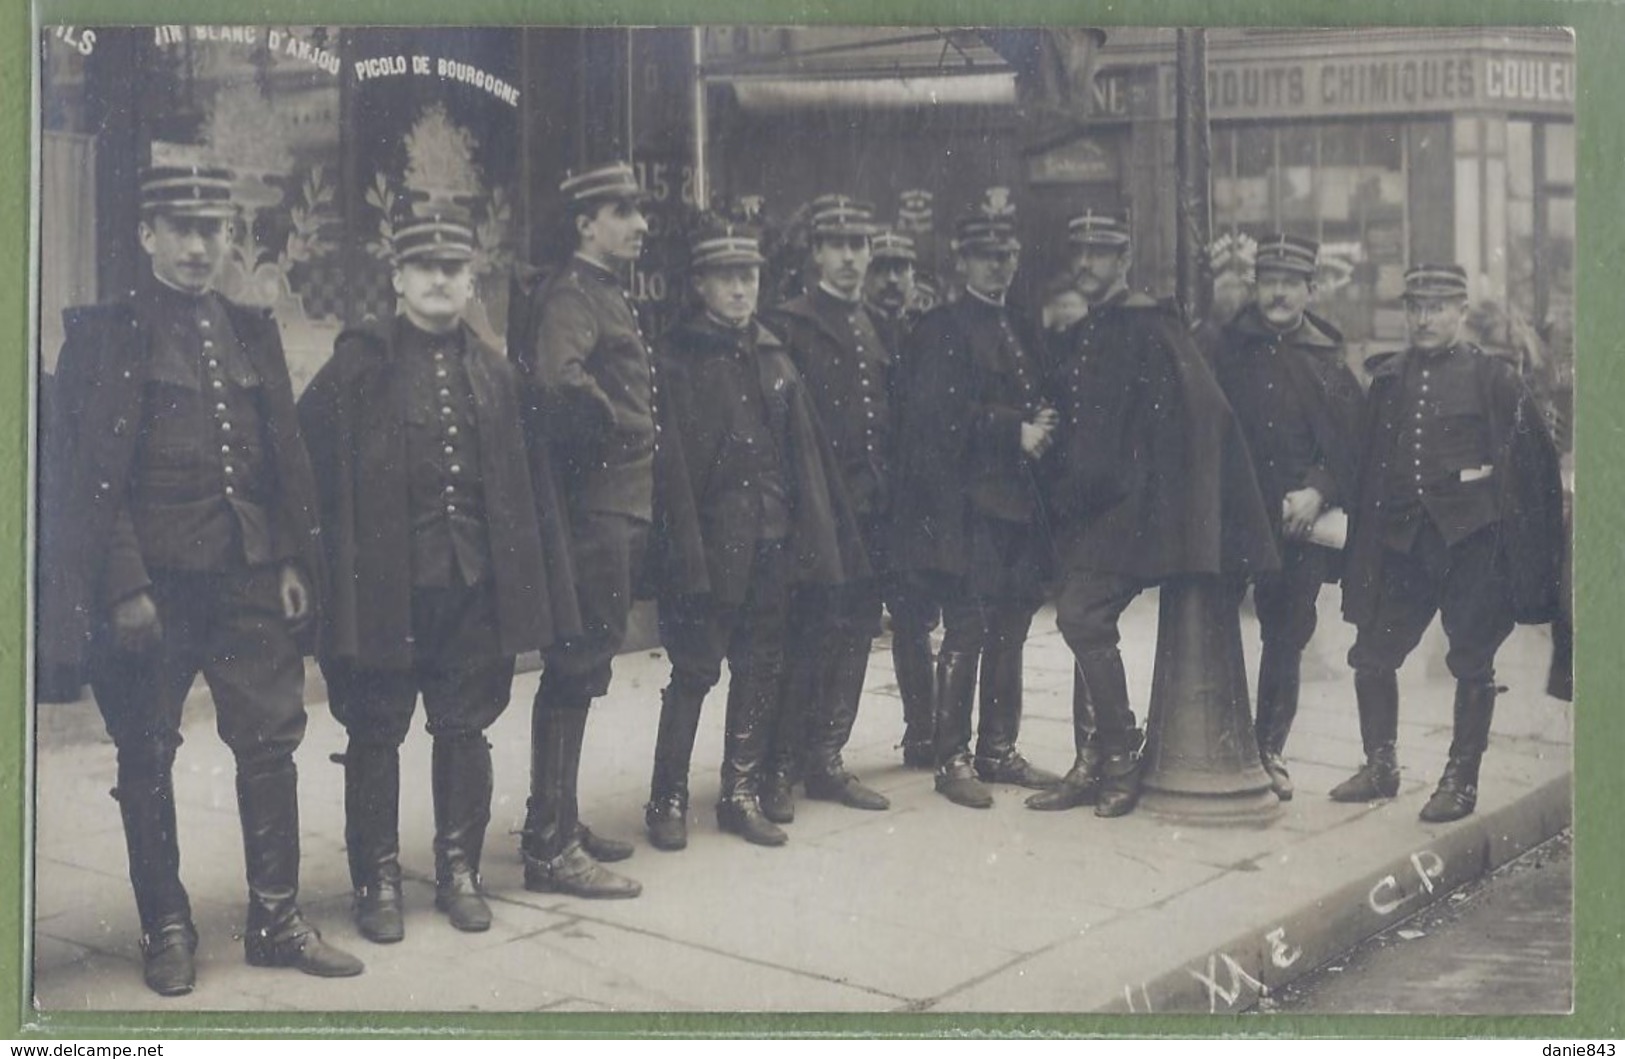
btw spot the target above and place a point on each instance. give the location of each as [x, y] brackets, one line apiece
[888, 288]
[1298, 403]
[968, 511]
[847, 369]
[1151, 480]
[593, 426]
[890, 293]
[747, 507]
[177, 536]
[1459, 513]
[436, 567]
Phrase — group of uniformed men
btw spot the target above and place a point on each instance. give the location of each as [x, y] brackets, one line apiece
[776, 477]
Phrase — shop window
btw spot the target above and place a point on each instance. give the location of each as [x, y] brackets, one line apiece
[1295, 178]
[1520, 160]
[267, 101]
[1255, 167]
[1342, 183]
[1521, 253]
[1559, 154]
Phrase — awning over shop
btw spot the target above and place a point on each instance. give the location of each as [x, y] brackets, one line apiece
[778, 95]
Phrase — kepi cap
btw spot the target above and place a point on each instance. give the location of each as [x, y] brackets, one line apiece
[841, 215]
[1097, 228]
[890, 246]
[1287, 253]
[1435, 281]
[606, 183]
[988, 225]
[188, 190]
[719, 243]
[433, 233]
[914, 210]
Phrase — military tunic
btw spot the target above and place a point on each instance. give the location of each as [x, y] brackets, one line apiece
[1151, 476]
[729, 396]
[847, 372]
[968, 507]
[909, 600]
[1459, 511]
[592, 394]
[178, 471]
[1298, 406]
[438, 565]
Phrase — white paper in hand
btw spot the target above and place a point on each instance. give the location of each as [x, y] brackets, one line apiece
[1331, 529]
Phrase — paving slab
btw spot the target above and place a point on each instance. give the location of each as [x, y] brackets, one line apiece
[927, 908]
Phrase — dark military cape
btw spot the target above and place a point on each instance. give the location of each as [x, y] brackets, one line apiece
[87, 460]
[952, 429]
[1529, 490]
[1151, 477]
[704, 538]
[352, 415]
[1330, 395]
[829, 368]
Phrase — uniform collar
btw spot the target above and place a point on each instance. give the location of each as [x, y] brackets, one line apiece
[1311, 330]
[413, 338]
[1116, 296]
[703, 325]
[984, 299]
[836, 296]
[726, 327]
[166, 297]
[595, 269]
[1432, 356]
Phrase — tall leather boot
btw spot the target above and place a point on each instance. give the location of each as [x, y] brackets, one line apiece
[1457, 793]
[666, 815]
[1376, 694]
[826, 776]
[146, 797]
[803, 689]
[555, 862]
[1081, 784]
[372, 795]
[999, 725]
[911, 659]
[277, 934]
[1116, 734]
[601, 848]
[752, 700]
[460, 776]
[956, 777]
[1278, 686]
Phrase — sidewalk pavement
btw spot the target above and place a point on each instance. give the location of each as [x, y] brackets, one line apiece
[927, 908]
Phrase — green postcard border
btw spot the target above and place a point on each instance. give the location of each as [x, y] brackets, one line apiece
[1600, 559]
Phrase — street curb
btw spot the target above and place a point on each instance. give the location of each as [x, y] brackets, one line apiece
[1275, 952]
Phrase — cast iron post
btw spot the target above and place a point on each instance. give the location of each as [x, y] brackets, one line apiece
[1202, 762]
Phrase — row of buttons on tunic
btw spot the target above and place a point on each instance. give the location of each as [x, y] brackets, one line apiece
[1421, 403]
[654, 385]
[1021, 362]
[449, 428]
[863, 381]
[221, 413]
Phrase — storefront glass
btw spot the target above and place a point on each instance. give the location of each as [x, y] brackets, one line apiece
[326, 130]
[1341, 183]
